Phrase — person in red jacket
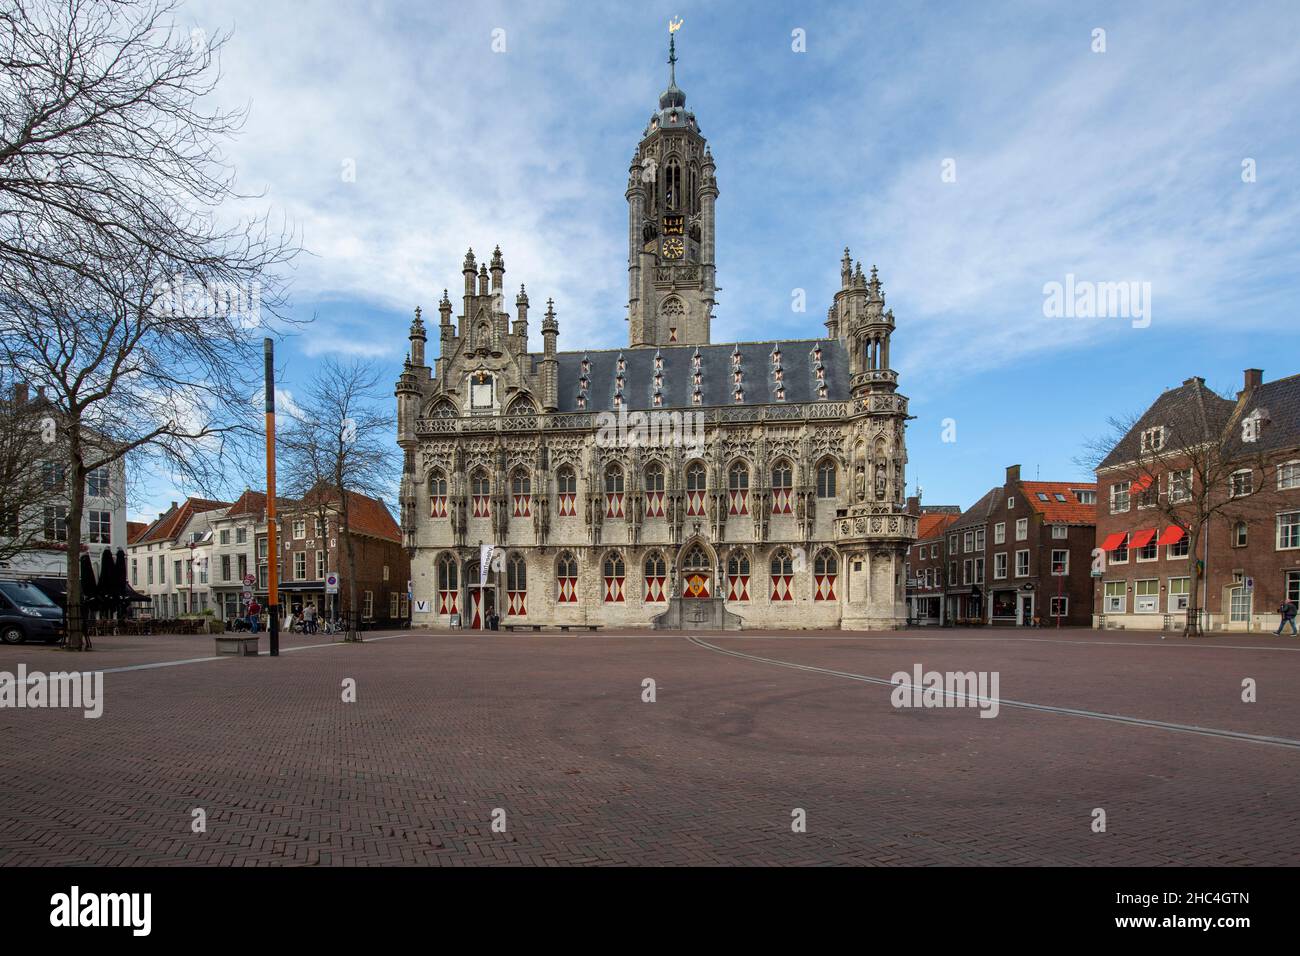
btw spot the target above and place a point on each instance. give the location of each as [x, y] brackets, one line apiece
[254, 609]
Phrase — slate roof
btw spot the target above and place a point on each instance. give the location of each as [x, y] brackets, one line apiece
[1191, 412]
[717, 384]
[1069, 511]
[978, 513]
[1281, 399]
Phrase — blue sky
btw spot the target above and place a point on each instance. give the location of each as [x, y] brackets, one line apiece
[1112, 166]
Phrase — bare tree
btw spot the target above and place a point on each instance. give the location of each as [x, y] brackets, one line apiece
[121, 290]
[339, 442]
[1172, 459]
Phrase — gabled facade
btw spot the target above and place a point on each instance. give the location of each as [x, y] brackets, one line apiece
[1248, 555]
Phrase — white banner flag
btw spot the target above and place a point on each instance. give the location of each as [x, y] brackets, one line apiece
[484, 562]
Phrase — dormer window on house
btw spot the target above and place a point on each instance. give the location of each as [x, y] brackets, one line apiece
[1153, 439]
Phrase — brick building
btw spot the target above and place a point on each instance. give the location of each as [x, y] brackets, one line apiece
[926, 564]
[170, 561]
[311, 547]
[1243, 455]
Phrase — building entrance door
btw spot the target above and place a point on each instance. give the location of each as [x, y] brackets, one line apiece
[1025, 616]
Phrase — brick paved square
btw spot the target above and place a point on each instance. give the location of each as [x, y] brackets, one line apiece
[746, 728]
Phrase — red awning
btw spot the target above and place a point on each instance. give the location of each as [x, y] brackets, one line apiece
[1142, 483]
[1171, 535]
[1142, 538]
[1114, 541]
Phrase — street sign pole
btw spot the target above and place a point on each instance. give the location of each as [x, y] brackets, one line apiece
[272, 548]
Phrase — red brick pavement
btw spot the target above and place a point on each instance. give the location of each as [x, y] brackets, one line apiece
[552, 729]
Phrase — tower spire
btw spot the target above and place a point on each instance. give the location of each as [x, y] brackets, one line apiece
[673, 27]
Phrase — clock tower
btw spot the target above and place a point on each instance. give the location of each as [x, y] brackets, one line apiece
[671, 190]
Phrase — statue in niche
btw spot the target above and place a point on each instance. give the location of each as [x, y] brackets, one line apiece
[880, 481]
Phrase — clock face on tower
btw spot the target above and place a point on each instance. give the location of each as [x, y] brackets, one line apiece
[674, 247]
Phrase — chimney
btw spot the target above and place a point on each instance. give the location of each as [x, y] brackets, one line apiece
[1194, 380]
[1254, 378]
[20, 393]
[913, 505]
[1013, 474]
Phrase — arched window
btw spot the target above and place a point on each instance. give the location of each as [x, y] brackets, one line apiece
[782, 488]
[522, 406]
[692, 187]
[656, 578]
[738, 576]
[738, 489]
[613, 492]
[695, 488]
[826, 568]
[782, 575]
[521, 494]
[697, 573]
[566, 578]
[517, 586]
[448, 585]
[437, 495]
[673, 185]
[654, 490]
[566, 485]
[480, 491]
[826, 479]
[614, 577]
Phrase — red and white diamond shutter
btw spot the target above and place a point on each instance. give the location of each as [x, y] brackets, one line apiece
[517, 586]
[480, 495]
[476, 608]
[521, 494]
[614, 492]
[448, 585]
[566, 484]
[825, 573]
[782, 493]
[437, 495]
[614, 578]
[738, 577]
[656, 579]
[738, 489]
[695, 488]
[782, 576]
[566, 579]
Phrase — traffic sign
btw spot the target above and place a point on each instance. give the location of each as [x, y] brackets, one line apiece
[332, 583]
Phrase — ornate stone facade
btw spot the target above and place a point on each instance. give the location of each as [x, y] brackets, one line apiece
[613, 485]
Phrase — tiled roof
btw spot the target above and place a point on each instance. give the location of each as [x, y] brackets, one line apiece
[249, 503]
[174, 520]
[1069, 511]
[134, 529]
[1281, 431]
[1191, 412]
[931, 525]
[366, 515]
[717, 380]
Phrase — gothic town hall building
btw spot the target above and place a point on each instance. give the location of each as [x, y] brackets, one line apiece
[783, 507]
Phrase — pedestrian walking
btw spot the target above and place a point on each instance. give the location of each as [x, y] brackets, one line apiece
[309, 618]
[1288, 611]
[254, 610]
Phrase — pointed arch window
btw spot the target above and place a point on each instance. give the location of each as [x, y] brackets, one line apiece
[437, 495]
[614, 575]
[614, 492]
[826, 479]
[826, 569]
[448, 585]
[782, 575]
[517, 586]
[673, 185]
[738, 576]
[566, 578]
[521, 494]
[695, 488]
[656, 578]
[566, 486]
[782, 488]
[480, 490]
[654, 490]
[697, 573]
[738, 489]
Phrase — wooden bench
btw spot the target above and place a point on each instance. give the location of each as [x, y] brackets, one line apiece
[240, 645]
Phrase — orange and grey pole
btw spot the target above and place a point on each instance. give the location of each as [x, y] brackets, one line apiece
[272, 547]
